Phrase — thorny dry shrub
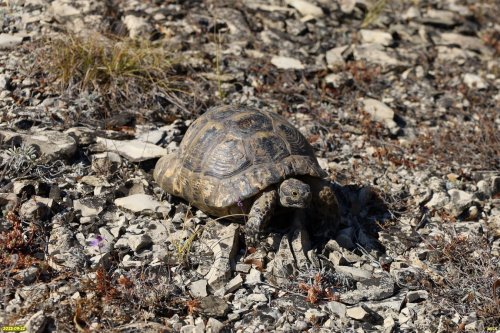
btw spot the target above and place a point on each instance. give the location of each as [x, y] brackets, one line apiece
[110, 300]
[469, 271]
[121, 71]
[319, 285]
[476, 144]
[316, 290]
[20, 239]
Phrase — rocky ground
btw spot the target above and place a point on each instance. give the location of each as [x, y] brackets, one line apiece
[400, 99]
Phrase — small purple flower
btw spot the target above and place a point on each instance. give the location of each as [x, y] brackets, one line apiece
[240, 203]
[98, 241]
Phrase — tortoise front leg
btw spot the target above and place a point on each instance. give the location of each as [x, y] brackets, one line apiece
[324, 207]
[259, 215]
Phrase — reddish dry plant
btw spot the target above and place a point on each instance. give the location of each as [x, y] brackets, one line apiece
[362, 73]
[454, 245]
[258, 264]
[103, 284]
[316, 290]
[492, 39]
[125, 282]
[13, 241]
[193, 306]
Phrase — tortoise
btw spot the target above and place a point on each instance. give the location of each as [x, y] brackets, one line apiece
[243, 160]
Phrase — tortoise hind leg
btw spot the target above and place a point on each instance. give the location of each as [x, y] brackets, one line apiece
[259, 215]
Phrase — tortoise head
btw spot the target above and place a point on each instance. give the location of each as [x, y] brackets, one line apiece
[294, 193]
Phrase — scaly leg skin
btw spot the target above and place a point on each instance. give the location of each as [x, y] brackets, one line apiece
[260, 214]
[324, 207]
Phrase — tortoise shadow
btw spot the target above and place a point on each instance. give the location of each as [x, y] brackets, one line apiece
[362, 212]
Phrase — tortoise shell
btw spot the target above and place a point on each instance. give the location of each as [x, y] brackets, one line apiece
[230, 154]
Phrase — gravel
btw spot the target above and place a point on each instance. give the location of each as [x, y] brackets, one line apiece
[400, 102]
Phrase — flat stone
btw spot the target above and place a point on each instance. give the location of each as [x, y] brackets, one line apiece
[337, 309]
[36, 208]
[136, 25]
[357, 274]
[8, 199]
[417, 296]
[393, 304]
[83, 136]
[106, 163]
[61, 9]
[139, 242]
[379, 111]
[347, 6]
[214, 326]
[212, 306]
[53, 145]
[94, 181]
[407, 315]
[467, 42]
[286, 63]
[373, 289]
[440, 17]
[336, 57]
[62, 253]
[140, 203]
[153, 137]
[363, 313]
[459, 201]
[475, 326]
[376, 36]
[191, 329]
[412, 13]
[300, 326]
[198, 288]
[373, 54]
[315, 316]
[305, 8]
[91, 206]
[445, 53]
[253, 278]
[474, 81]
[257, 297]
[296, 27]
[234, 284]
[243, 268]
[389, 324]
[38, 322]
[4, 81]
[235, 22]
[493, 225]
[337, 80]
[133, 150]
[8, 41]
[438, 200]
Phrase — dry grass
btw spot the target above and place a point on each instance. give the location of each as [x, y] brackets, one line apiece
[475, 143]
[120, 70]
[374, 12]
[469, 271]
